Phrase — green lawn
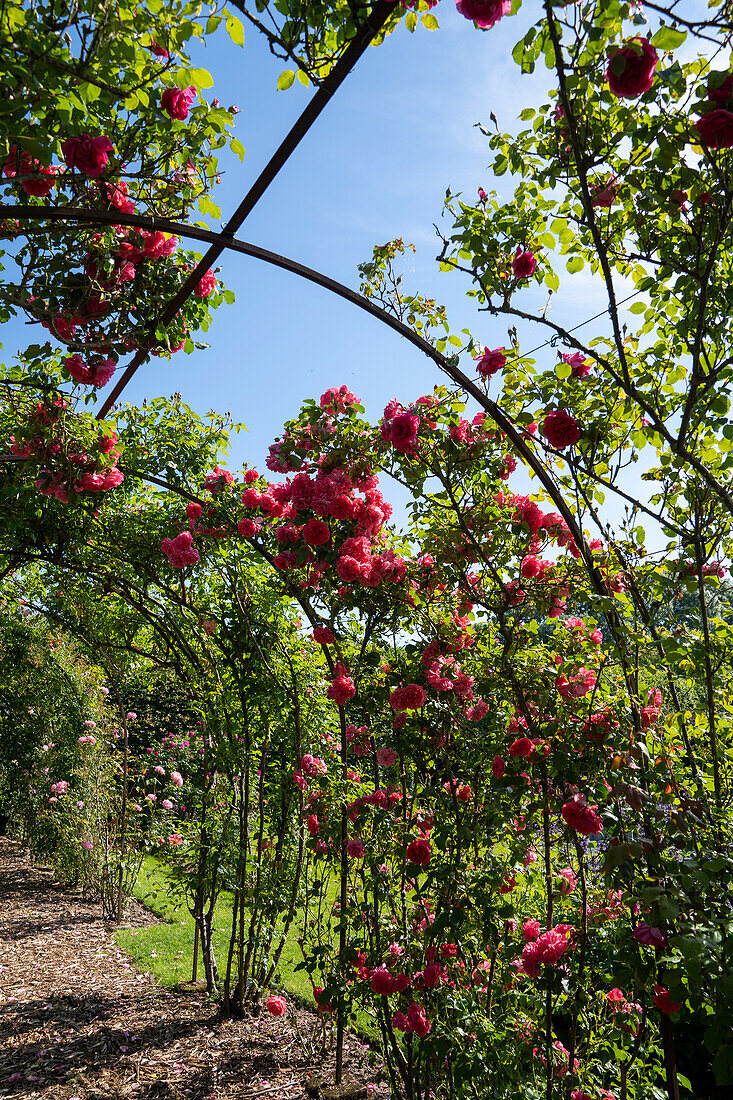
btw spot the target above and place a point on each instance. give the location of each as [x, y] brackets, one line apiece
[166, 950]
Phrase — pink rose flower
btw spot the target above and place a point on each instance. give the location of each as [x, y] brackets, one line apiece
[418, 1019]
[577, 362]
[26, 165]
[176, 101]
[342, 687]
[313, 765]
[316, 533]
[485, 13]
[649, 936]
[630, 71]
[410, 697]
[492, 360]
[207, 285]
[88, 155]
[524, 264]
[386, 757]
[568, 881]
[381, 981]
[604, 194]
[530, 930]
[338, 399]
[276, 1006]
[582, 817]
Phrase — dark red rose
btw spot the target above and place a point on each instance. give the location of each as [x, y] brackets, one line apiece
[630, 71]
[484, 12]
[723, 92]
[87, 154]
[716, 129]
[560, 429]
[403, 431]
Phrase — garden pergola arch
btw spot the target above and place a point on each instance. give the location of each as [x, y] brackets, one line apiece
[224, 240]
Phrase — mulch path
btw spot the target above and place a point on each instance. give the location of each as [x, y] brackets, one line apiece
[79, 1022]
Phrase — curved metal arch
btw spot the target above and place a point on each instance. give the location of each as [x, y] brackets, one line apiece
[448, 366]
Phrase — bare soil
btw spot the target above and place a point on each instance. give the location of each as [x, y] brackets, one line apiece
[78, 1021]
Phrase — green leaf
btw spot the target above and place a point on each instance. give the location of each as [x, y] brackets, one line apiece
[430, 21]
[455, 341]
[206, 206]
[411, 21]
[202, 78]
[237, 148]
[574, 264]
[235, 28]
[667, 38]
[285, 80]
[212, 23]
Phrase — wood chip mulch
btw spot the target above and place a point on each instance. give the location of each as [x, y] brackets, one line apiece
[78, 1021]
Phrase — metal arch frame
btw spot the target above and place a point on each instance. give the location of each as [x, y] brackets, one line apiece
[224, 242]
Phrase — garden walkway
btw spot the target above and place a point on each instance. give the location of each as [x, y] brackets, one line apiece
[79, 1022]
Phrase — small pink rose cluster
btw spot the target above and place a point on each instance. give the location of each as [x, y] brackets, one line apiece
[546, 949]
[180, 550]
[338, 399]
[33, 177]
[87, 155]
[313, 765]
[416, 1021]
[63, 467]
[342, 688]
[579, 684]
[95, 373]
[409, 697]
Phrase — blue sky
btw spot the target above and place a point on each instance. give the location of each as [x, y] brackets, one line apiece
[375, 166]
